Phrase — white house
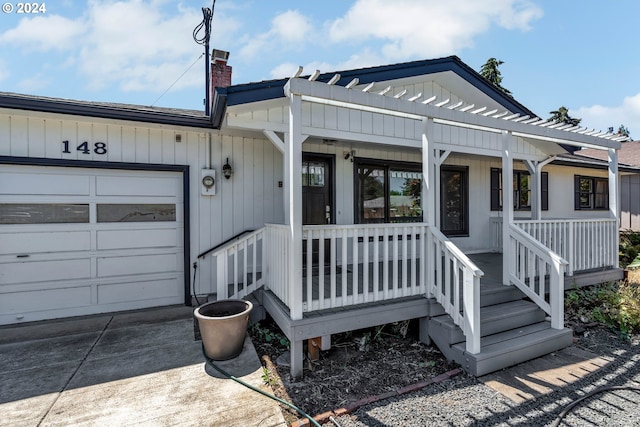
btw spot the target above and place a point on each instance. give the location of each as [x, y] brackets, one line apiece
[340, 200]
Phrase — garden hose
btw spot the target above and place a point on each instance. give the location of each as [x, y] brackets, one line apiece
[569, 407]
[257, 390]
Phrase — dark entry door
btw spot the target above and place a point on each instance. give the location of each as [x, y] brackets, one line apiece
[317, 200]
[317, 196]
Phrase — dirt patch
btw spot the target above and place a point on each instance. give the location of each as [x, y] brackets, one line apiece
[360, 364]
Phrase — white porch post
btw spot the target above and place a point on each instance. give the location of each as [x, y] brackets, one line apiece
[294, 177]
[614, 196]
[428, 176]
[507, 205]
[536, 185]
[428, 205]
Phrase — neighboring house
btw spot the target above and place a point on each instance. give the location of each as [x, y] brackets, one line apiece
[341, 201]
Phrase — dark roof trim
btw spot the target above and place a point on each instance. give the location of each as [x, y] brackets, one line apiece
[271, 89]
[590, 163]
[107, 111]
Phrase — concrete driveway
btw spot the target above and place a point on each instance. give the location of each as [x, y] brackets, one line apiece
[136, 368]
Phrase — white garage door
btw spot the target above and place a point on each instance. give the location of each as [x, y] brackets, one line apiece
[83, 241]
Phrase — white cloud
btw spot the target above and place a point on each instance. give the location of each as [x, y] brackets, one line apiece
[34, 84]
[289, 30]
[366, 58]
[602, 117]
[42, 33]
[429, 27]
[135, 45]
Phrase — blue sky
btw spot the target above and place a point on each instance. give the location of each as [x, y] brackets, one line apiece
[582, 55]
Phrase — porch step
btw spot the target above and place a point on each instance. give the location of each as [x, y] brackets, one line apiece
[491, 295]
[512, 332]
[509, 348]
[494, 319]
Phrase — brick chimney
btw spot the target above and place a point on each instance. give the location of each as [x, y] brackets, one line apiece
[220, 71]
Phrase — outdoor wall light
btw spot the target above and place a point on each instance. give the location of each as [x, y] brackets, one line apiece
[349, 155]
[227, 171]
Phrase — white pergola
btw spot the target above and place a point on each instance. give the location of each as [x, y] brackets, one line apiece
[428, 112]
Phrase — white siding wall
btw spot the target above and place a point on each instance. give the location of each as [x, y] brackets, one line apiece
[246, 201]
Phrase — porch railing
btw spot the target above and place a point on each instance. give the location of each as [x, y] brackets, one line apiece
[585, 243]
[345, 265]
[239, 265]
[277, 258]
[455, 285]
[538, 272]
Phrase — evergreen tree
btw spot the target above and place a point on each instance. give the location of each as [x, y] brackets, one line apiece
[491, 72]
[561, 115]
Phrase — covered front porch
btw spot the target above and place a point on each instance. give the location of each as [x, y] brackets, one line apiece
[317, 280]
[367, 275]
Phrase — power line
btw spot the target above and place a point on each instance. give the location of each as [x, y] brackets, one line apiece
[181, 75]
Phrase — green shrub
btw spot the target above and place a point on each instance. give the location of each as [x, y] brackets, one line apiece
[616, 305]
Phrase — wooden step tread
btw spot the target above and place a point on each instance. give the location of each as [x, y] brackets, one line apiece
[493, 313]
[519, 338]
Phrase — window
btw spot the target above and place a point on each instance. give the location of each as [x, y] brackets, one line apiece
[313, 174]
[454, 201]
[591, 193]
[43, 213]
[388, 192]
[136, 212]
[522, 183]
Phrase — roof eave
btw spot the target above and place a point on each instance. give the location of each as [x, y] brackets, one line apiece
[102, 111]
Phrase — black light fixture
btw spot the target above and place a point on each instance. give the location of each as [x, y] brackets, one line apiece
[227, 171]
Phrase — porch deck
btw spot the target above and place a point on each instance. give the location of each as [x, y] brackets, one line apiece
[373, 274]
[491, 264]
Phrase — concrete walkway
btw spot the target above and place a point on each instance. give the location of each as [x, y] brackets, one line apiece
[137, 368]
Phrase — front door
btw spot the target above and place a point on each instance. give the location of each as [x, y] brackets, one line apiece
[317, 195]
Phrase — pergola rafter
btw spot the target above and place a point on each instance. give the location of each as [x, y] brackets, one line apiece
[460, 106]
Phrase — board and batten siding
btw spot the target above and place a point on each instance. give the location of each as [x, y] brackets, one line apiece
[248, 200]
[630, 202]
[342, 123]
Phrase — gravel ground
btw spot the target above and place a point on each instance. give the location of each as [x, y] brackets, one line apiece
[464, 401]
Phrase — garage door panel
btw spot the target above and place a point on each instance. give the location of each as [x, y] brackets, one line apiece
[44, 184]
[129, 265]
[44, 242]
[76, 241]
[137, 239]
[41, 271]
[137, 291]
[137, 186]
[44, 299]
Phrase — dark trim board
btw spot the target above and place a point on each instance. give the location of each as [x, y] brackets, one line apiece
[136, 113]
[92, 164]
[272, 89]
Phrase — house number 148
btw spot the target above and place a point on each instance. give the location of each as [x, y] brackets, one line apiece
[98, 147]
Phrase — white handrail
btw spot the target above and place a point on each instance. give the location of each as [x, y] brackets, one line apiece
[455, 273]
[530, 263]
[238, 264]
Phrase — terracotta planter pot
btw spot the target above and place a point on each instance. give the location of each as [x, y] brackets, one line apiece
[223, 327]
